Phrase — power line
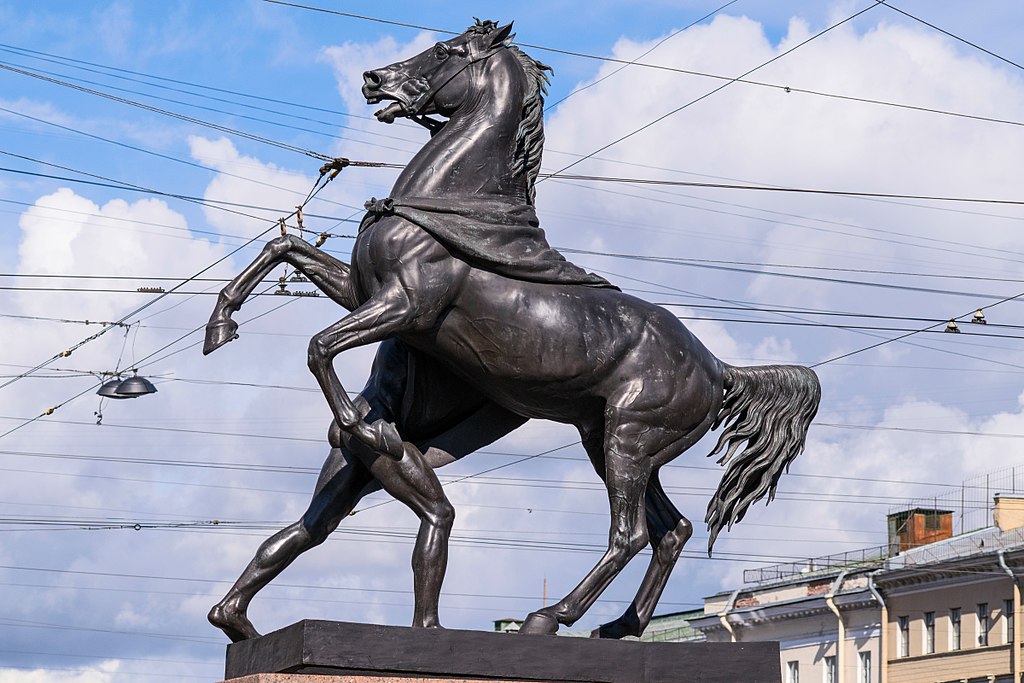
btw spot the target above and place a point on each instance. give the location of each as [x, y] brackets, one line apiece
[290, 103]
[642, 55]
[909, 334]
[167, 112]
[951, 35]
[317, 187]
[788, 89]
[120, 185]
[165, 156]
[768, 188]
[710, 92]
[247, 117]
[75, 63]
[697, 263]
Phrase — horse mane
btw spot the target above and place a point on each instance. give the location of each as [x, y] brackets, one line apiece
[529, 141]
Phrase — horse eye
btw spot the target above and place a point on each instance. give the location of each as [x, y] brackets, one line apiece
[441, 51]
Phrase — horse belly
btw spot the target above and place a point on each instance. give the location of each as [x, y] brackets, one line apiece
[539, 350]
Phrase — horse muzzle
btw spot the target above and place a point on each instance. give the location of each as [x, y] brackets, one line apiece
[406, 95]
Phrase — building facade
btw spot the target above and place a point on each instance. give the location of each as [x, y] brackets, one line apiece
[929, 607]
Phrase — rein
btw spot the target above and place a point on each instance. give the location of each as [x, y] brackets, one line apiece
[432, 124]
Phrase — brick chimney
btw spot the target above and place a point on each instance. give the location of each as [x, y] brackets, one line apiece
[921, 526]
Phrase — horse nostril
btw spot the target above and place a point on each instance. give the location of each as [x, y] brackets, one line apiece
[372, 78]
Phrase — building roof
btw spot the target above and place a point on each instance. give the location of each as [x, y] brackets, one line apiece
[981, 542]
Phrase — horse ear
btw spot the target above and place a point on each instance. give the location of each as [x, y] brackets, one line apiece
[500, 34]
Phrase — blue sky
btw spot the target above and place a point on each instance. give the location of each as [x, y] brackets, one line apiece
[253, 404]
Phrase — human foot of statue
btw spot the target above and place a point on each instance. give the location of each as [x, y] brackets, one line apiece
[232, 622]
[218, 333]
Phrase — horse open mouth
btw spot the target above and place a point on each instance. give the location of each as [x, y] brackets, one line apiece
[389, 113]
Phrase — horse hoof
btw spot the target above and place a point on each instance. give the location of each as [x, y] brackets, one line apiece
[235, 626]
[615, 630]
[218, 334]
[539, 624]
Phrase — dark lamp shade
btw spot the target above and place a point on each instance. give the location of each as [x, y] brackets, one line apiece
[109, 389]
[135, 386]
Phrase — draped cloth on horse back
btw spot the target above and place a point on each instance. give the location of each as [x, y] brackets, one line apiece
[496, 235]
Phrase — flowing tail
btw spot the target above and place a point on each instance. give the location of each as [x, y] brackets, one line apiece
[767, 410]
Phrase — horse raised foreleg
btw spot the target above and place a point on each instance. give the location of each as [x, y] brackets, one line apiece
[343, 482]
[329, 274]
[626, 471]
[669, 531]
[399, 466]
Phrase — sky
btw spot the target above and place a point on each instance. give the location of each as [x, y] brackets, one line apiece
[122, 522]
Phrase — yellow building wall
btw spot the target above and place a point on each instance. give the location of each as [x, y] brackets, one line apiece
[972, 660]
[978, 663]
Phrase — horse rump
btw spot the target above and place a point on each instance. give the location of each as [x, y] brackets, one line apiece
[766, 412]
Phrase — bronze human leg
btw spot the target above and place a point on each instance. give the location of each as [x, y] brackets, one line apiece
[343, 482]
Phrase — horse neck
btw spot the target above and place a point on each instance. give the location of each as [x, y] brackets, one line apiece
[472, 155]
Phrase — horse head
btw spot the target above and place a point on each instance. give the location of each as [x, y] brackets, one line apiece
[437, 80]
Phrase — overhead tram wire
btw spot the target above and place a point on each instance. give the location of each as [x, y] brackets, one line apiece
[67, 352]
[549, 107]
[697, 263]
[877, 234]
[191, 119]
[340, 219]
[553, 175]
[624, 63]
[711, 92]
[913, 332]
[661, 67]
[666, 259]
[861, 332]
[990, 53]
[309, 471]
[798, 323]
[591, 178]
[160, 155]
[228, 113]
[119, 185]
[764, 188]
[69, 62]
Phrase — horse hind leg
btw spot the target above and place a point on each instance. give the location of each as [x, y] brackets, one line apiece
[669, 531]
[627, 469]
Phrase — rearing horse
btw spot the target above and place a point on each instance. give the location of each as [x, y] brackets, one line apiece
[484, 326]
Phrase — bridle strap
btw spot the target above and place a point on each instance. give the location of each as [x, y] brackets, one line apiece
[431, 124]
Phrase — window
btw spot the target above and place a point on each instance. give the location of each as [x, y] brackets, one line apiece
[929, 632]
[954, 628]
[982, 624]
[903, 636]
[1008, 626]
[792, 672]
[864, 668]
[831, 670]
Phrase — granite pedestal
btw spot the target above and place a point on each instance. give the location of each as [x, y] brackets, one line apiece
[338, 652]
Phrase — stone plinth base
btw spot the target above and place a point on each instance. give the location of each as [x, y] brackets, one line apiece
[338, 652]
[318, 678]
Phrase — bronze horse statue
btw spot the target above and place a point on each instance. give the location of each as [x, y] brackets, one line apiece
[483, 326]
